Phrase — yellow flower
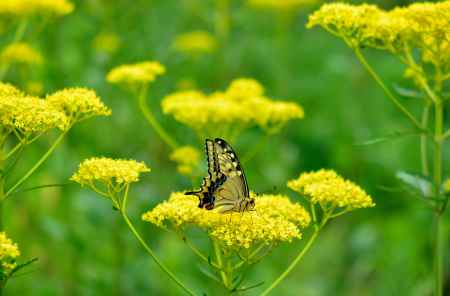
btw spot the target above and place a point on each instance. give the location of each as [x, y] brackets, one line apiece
[109, 171]
[32, 7]
[280, 5]
[106, 42]
[20, 53]
[242, 105]
[275, 220]
[329, 189]
[78, 104]
[28, 115]
[9, 251]
[195, 42]
[8, 90]
[187, 158]
[140, 73]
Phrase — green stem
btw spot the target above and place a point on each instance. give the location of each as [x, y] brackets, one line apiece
[293, 264]
[153, 122]
[36, 166]
[386, 90]
[439, 254]
[20, 32]
[152, 254]
[219, 260]
[424, 140]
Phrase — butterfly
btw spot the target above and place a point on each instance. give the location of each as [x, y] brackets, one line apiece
[225, 187]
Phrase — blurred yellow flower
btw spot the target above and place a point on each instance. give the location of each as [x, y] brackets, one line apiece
[447, 186]
[106, 42]
[329, 189]
[109, 171]
[33, 7]
[78, 104]
[34, 87]
[28, 115]
[187, 159]
[9, 251]
[275, 220]
[195, 42]
[139, 73]
[280, 5]
[20, 53]
[240, 106]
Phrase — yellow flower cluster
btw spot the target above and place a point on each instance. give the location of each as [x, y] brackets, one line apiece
[106, 42]
[280, 5]
[195, 42]
[275, 219]
[424, 26]
[243, 104]
[20, 53]
[330, 190]
[26, 114]
[109, 171]
[35, 7]
[187, 159]
[78, 104]
[139, 73]
[9, 251]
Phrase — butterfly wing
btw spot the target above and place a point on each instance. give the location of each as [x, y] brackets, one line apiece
[235, 188]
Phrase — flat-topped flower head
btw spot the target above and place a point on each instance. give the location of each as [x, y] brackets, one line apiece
[241, 106]
[21, 8]
[275, 220]
[195, 42]
[9, 251]
[109, 171]
[136, 74]
[78, 104]
[330, 190]
[21, 53]
[187, 159]
[27, 115]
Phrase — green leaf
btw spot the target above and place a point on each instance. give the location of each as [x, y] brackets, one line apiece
[408, 93]
[25, 264]
[419, 184]
[209, 274]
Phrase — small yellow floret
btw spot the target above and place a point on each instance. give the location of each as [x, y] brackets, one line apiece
[9, 251]
[187, 158]
[35, 7]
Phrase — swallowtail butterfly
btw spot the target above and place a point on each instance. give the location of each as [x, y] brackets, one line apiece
[225, 187]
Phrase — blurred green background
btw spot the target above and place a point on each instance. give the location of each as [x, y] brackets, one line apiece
[82, 244]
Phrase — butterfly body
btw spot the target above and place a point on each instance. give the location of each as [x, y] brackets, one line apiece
[225, 187]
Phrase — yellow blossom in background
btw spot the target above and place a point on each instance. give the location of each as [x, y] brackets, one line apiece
[241, 106]
[78, 104]
[187, 159]
[9, 251]
[109, 171]
[329, 189]
[34, 87]
[447, 186]
[139, 73]
[35, 7]
[280, 5]
[195, 42]
[275, 220]
[20, 53]
[28, 115]
[106, 42]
